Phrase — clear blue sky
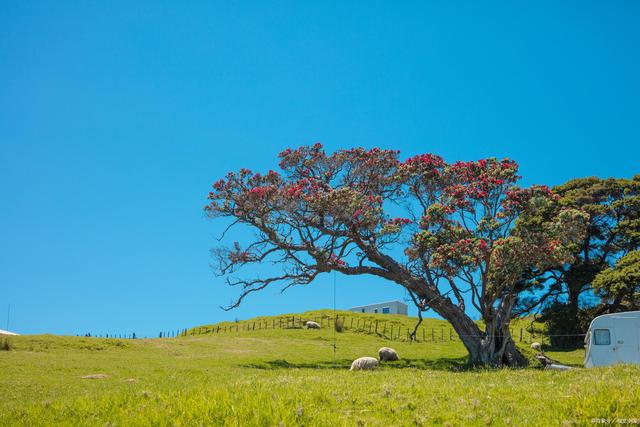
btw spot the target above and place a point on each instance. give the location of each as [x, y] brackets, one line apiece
[115, 118]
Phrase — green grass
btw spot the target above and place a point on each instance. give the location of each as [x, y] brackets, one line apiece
[288, 377]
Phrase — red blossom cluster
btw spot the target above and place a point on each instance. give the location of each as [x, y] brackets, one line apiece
[304, 187]
[261, 192]
[296, 159]
[425, 160]
[399, 221]
[481, 179]
[333, 259]
[517, 198]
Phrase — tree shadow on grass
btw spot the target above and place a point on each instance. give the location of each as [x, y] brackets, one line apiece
[454, 364]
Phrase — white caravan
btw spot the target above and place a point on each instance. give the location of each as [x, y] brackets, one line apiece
[613, 338]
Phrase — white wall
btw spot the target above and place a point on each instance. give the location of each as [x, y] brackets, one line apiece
[395, 307]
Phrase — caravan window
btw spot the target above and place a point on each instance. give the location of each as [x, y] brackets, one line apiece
[601, 337]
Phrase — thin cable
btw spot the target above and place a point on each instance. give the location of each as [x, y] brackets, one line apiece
[335, 318]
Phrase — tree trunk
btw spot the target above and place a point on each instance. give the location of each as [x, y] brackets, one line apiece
[492, 347]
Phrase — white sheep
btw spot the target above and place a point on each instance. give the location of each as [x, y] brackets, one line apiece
[364, 364]
[387, 354]
[312, 325]
[536, 346]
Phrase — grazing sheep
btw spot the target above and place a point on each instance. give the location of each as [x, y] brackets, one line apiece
[364, 364]
[387, 354]
[312, 325]
[536, 346]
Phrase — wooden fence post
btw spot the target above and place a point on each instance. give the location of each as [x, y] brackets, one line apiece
[376, 326]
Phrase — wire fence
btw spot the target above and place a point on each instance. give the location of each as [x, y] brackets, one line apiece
[388, 330]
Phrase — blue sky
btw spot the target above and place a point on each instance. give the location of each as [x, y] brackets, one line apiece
[116, 117]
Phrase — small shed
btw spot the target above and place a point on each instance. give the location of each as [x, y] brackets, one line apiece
[389, 307]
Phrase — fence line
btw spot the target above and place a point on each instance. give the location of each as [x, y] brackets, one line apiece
[388, 330]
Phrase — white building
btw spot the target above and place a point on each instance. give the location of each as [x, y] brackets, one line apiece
[3, 332]
[391, 307]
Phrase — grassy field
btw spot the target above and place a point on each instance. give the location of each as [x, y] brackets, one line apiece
[289, 377]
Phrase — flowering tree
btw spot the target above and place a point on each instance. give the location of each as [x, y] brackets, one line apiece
[462, 229]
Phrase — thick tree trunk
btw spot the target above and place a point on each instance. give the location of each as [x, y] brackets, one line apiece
[492, 347]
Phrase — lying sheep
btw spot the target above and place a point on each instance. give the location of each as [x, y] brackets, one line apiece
[312, 325]
[364, 364]
[387, 354]
[536, 346]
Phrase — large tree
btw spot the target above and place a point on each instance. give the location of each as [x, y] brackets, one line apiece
[619, 286]
[613, 230]
[442, 231]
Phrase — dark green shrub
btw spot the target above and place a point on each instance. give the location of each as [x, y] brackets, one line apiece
[566, 324]
[5, 344]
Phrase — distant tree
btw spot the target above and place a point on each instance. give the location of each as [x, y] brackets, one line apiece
[619, 286]
[613, 230]
[461, 228]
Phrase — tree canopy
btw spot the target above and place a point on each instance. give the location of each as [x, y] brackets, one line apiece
[619, 286]
[613, 230]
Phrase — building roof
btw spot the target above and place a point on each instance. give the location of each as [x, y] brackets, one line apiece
[380, 303]
[3, 332]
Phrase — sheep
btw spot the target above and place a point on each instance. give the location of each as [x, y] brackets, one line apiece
[312, 325]
[364, 364]
[536, 346]
[387, 354]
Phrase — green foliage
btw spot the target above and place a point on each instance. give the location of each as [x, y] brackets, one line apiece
[621, 283]
[567, 324]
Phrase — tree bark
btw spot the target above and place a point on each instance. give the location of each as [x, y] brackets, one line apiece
[492, 347]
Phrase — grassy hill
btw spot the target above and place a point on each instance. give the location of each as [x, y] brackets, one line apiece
[288, 376]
